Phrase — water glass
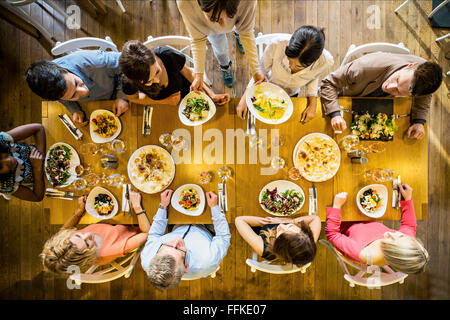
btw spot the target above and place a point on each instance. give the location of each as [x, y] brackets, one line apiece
[224, 173]
[349, 142]
[166, 139]
[92, 179]
[79, 183]
[255, 141]
[89, 148]
[205, 177]
[379, 175]
[179, 143]
[277, 140]
[294, 173]
[117, 146]
[115, 180]
[277, 163]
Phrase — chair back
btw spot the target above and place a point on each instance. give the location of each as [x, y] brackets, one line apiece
[264, 39]
[355, 52]
[265, 266]
[112, 271]
[372, 277]
[80, 43]
[212, 275]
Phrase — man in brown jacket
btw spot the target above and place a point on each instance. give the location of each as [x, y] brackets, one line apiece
[382, 74]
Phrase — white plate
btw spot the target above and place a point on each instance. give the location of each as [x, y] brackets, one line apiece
[275, 90]
[185, 120]
[383, 192]
[176, 198]
[91, 199]
[146, 187]
[281, 185]
[294, 160]
[95, 137]
[74, 161]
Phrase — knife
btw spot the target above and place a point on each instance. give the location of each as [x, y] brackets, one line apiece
[144, 116]
[225, 196]
[399, 193]
[315, 198]
[219, 191]
[74, 133]
[128, 199]
[74, 127]
[65, 197]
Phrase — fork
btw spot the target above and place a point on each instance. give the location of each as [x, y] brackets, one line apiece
[144, 120]
[251, 130]
[148, 121]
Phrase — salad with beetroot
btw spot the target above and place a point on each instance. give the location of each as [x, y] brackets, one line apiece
[58, 165]
[285, 203]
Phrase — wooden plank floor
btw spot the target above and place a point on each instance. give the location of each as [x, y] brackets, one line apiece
[24, 227]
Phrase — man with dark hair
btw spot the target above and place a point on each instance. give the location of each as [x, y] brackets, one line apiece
[84, 75]
[382, 74]
[212, 19]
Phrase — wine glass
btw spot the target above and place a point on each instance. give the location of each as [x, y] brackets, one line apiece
[349, 142]
[379, 175]
[373, 147]
[89, 148]
[224, 173]
[255, 141]
[294, 173]
[92, 179]
[205, 177]
[115, 180]
[117, 146]
[277, 163]
[166, 139]
[179, 143]
[278, 140]
[79, 183]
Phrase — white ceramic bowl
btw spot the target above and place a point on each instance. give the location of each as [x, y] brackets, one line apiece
[176, 199]
[281, 185]
[74, 161]
[91, 199]
[275, 90]
[188, 122]
[383, 192]
[94, 136]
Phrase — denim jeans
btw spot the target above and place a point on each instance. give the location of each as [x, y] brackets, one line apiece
[219, 43]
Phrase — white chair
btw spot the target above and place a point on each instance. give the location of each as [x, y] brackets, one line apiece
[265, 266]
[212, 275]
[368, 276]
[357, 52]
[175, 42]
[263, 39]
[51, 4]
[111, 272]
[86, 42]
[432, 13]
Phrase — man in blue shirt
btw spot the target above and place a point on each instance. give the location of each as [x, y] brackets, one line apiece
[84, 75]
[189, 251]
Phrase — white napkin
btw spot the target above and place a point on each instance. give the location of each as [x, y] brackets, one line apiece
[79, 133]
[125, 205]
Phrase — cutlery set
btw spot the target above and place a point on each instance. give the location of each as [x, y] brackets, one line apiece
[312, 200]
[126, 201]
[395, 116]
[251, 124]
[53, 193]
[222, 191]
[77, 134]
[396, 194]
[147, 121]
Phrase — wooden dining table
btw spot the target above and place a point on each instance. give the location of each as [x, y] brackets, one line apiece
[216, 144]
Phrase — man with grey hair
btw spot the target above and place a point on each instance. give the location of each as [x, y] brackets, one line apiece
[188, 251]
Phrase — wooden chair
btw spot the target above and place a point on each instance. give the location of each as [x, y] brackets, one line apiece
[371, 277]
[114, 270]
[175, 42]
[212, 275]
[79, 43]
[265, 266]
[357, 52]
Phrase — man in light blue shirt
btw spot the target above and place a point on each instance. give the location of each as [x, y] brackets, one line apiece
[84, 75]
[189, 251]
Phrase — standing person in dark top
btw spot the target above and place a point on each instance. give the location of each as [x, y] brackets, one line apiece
[159, 76]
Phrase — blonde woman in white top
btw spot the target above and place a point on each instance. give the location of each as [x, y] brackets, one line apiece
[295, 65]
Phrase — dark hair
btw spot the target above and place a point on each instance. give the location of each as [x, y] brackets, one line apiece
[427, 78]
[217, 6]
[46, 79]
[4, 148]
[306, 44]
[136, 60]
[296, 248]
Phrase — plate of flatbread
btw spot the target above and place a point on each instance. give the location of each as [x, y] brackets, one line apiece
[151, 169]
[317, 156]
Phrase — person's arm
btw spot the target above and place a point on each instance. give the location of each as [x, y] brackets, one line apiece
[37, 194]
[221, 241]
[408, 224]
[33, 129]
[142, 98]
[76, 217]
[71, 106]
[314, 224]
[267, 59]
[244, 227]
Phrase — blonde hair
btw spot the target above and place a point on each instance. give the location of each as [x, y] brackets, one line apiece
[164, 273]
[409, 257]
[59, 253]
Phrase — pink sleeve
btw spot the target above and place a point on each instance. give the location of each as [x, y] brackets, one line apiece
[409, 224]
[344, 244]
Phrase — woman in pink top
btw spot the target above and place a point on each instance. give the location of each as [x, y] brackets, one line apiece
[373, 243]
[97, 243]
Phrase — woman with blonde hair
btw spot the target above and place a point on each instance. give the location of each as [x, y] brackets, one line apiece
[281, 240]
[97, 243]
[373, 243]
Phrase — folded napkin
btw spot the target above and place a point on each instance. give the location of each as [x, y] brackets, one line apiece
[125, 204]
[78, 134]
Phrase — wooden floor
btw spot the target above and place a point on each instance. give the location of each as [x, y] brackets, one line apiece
[24, 226]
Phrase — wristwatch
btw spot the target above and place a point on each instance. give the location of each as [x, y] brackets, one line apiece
[143, 211]
[162, 207]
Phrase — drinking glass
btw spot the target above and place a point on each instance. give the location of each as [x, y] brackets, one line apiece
[115, 180]
[294, 173]
[255, 141]
[373, 147]
[117, 146]
[277, 163]
[92, 179]
[205, 177]
[277, 140]
[79, 183]
[166, 139]
[179, 143]
[89, 149]
[349, 142]
[224, 173]
[379, 175]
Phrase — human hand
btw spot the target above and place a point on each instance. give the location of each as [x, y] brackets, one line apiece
[418, 129]
[135, 198]
[174, 99]
[406, 191]
[197, 83]
[82, 202]
[338, 123]
[259, 77]
[165, 197]
[120, 106]
[78, 117]
[241, 109]
[339, 200]
[221, 99]
[308, 114]
[211, 198]
[36, 159]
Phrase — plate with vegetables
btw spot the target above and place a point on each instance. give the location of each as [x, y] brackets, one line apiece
[196, 108]
[281, 198]
[374, 127]
[372, 200]
[189, 199]
[104, 126]
[101, 203]
[269, 103]
[60, 162]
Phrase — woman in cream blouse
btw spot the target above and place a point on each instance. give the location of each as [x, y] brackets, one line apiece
[295, 64]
